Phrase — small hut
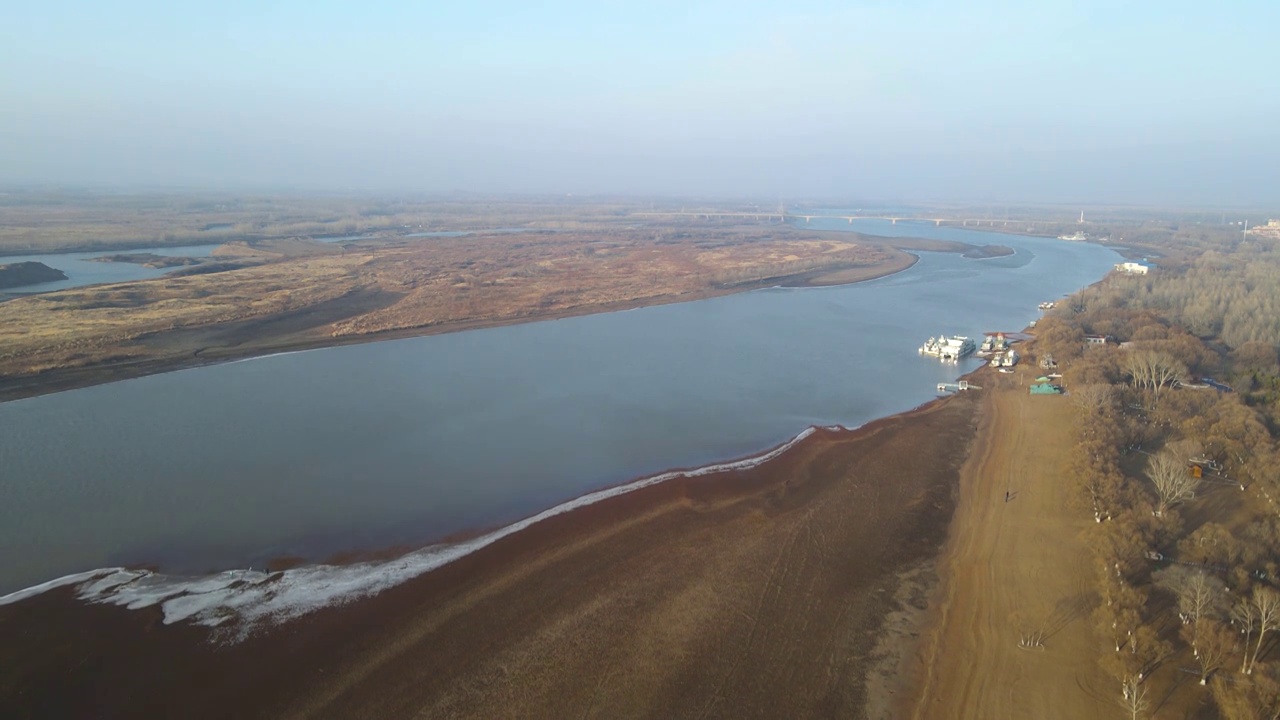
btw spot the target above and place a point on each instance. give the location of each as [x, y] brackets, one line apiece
[1044, 386]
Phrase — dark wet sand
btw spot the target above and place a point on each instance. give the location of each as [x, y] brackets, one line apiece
[755, 593]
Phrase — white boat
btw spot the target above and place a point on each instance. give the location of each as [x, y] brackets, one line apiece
[1005, 359]
[1076, 236]
[992, 345]
[948, 348]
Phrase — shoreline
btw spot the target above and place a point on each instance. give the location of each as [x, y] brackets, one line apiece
[723, 525]
[112, 585]
[74, 378]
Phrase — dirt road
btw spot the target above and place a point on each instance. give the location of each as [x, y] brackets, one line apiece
[1012, 568]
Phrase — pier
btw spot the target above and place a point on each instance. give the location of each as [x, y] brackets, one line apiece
[957, 386]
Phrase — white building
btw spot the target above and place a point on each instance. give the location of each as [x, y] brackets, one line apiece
[1270, 230]
[1132, 268]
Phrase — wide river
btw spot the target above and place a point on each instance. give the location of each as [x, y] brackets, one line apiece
[406, 441]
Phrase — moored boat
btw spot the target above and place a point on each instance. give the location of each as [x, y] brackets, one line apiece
[993, 344]
[1005, 359]
[948, 348]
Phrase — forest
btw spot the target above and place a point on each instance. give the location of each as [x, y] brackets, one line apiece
[1175, 459]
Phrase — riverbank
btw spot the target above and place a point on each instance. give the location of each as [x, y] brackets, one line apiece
[310, 327]
[1014, 565]
[749, 592]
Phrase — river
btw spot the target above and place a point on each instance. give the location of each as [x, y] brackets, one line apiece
[405, 441]
[82, 268]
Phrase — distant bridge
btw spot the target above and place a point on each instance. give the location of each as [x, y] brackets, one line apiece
[783, 216]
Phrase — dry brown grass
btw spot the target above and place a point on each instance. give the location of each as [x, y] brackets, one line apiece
[53, 221]
[76, 326]
[535, 275]
[427, 284]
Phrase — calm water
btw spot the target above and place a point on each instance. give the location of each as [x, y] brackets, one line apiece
[405, 441]
[81, 269]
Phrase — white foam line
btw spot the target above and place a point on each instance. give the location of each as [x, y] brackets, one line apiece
[264, 357]
[63, 581]
[252, 598]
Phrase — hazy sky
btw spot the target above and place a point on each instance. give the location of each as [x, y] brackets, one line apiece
[1163, 101]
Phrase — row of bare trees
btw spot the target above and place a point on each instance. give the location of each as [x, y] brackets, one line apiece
[1226, 614]
[1154, 370]
[1136, 436]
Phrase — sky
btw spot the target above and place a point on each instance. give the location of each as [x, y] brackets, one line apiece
[1128, 102]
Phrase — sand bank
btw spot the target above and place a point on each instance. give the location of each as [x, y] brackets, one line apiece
[308, 328]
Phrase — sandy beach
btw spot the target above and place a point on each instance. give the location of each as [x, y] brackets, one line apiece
[1009, 569]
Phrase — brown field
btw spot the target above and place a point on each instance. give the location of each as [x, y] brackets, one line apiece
[297, 293]
[36, 221]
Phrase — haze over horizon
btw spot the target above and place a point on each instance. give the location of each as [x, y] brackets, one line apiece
[1092, 102]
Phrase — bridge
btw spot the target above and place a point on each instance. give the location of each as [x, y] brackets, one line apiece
[783, 216]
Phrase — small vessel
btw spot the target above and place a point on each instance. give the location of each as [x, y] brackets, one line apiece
[1048, 305]
[993, 344]
[948, 348]
[1076, 236]
[1005, 359]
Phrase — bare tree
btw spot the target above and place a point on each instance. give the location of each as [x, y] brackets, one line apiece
[1217, 641]
[1199, 595]
[1165, 372]
[1094, 398]
[1119, 616]
[1153, 370]
[1134, 700]
[1266, 615]
[1121, 545]
[1101, 490]
[1148, 650]
[1245, 616]
[1254, 698]
[1173, 481]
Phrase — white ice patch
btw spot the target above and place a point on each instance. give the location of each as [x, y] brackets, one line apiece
[111, 581]
[263, 357]
[252, 598]
[63, 581]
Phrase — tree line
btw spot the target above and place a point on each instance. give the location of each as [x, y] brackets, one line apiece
[1182, 582]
